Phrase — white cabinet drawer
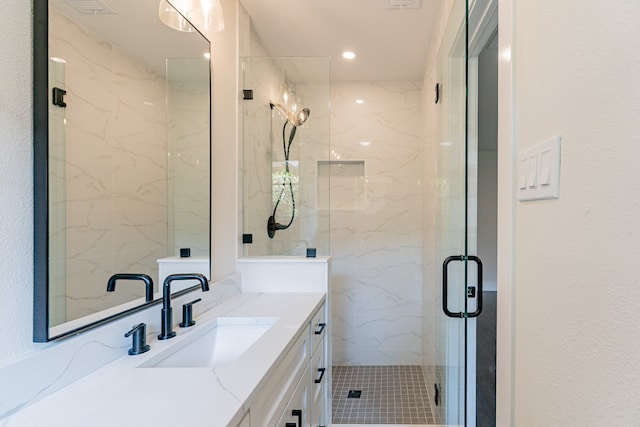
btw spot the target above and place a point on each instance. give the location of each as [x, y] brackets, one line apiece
[318, 328]
[319, 376]
[268, 406]
[297, 410]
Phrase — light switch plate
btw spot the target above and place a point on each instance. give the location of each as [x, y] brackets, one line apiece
[540, 169]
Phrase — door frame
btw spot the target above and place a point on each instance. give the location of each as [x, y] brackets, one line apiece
[484, 16]
[505, 327]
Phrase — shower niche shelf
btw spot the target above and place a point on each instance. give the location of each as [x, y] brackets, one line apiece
[347, 184]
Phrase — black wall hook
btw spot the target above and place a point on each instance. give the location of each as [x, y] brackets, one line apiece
[58, 97]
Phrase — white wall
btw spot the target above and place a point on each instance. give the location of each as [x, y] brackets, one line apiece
[224, 150]
[576, 281]
[16, 223]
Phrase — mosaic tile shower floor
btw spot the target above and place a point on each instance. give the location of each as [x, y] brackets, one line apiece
[390, 395]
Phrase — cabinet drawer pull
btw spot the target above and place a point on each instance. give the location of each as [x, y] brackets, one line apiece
[319, 380]
[298, 413]
[319, 331]
[290, 425]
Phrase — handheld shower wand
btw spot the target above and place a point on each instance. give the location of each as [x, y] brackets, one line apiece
[296, 119]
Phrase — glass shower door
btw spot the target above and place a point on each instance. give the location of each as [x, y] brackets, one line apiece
[459, 295]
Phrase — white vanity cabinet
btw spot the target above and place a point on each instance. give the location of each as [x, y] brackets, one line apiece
[296, 413]
[296, 394]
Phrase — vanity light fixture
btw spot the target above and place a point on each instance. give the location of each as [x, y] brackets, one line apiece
[348, 55]
[206, 15]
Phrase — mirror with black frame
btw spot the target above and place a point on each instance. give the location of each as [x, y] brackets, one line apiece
[122, 130]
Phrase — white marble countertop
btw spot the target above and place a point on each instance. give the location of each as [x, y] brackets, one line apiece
[121, 394]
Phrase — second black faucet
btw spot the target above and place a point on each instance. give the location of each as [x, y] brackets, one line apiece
[167, 311]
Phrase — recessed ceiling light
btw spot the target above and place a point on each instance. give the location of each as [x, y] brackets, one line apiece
[359, 101]
[207, 55]
[348, 54]
[365, 143]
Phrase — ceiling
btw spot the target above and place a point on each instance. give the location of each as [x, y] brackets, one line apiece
[391, 44]
[122, 23]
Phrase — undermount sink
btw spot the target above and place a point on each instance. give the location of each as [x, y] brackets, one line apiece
[221, 343]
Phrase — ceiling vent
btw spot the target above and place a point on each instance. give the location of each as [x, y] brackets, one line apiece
[91, 7]
[402, 4]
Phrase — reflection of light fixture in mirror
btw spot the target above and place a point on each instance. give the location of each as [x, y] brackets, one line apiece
[287, 100]
[171, 18]
[206, 15]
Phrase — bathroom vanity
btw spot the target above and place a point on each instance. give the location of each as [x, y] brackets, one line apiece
[279, 378]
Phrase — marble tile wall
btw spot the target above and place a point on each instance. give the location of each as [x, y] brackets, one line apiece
[116, 166]
[377, 222]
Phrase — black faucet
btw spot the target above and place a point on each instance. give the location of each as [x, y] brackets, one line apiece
[167, 312]
[111, 284]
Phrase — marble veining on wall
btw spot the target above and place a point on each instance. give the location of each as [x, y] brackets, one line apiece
[376, 222]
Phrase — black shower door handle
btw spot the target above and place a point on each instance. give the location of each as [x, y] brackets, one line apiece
[445, 287]
[297, 413]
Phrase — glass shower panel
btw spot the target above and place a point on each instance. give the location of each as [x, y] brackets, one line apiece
[456, 219]
[285, 139]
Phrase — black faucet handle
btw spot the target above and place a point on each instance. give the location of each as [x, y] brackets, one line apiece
[187, 314]
[139, 344]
